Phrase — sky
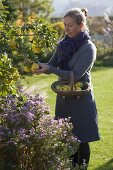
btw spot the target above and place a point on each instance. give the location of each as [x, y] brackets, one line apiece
[95, 7]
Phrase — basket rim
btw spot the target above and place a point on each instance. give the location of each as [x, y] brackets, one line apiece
[71, 92]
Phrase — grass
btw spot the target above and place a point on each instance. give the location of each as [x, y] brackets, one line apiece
[102, 78]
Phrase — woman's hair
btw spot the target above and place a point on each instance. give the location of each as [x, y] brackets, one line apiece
[85, 11]
[79, 15]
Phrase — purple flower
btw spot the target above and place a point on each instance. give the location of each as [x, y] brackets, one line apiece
[28, 125]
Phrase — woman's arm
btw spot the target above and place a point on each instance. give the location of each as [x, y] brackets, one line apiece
[44, 67]
[85, 61]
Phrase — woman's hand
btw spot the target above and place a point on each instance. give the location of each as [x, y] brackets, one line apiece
[42, 68]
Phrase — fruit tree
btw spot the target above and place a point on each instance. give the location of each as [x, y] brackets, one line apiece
[21, 44]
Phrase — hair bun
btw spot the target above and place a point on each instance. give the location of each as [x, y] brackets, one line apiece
[85, 11]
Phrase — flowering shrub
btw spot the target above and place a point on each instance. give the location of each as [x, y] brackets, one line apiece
[30, 139]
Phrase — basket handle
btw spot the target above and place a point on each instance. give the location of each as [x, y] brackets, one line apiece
[71, 80]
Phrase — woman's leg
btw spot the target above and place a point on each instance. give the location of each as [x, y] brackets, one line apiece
[82, 155]
[74, 159]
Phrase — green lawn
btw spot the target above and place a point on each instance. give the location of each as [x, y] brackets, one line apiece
[101, 151]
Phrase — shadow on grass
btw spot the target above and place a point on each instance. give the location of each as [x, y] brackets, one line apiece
[107, 166]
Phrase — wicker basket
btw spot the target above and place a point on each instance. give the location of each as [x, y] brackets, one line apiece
[86, 89]
[72, 91]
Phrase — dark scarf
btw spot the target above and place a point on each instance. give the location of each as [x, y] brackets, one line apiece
[68, 46]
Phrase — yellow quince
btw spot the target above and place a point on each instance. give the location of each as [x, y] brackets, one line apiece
[12, 43]
[36, 49]
[27, 69]
[34, 67]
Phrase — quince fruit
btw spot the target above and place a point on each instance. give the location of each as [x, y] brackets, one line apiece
[8, 81]
[34, 67]
[31, 35]
[12, 44]
[78, 84]
[66, 88]
[58, 87]
[36, 49]
[78, 88]
[27, 69]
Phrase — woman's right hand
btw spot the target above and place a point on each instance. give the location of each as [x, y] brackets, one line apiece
[43, 68]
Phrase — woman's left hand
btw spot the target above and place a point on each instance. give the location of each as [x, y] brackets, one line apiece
[42, 68]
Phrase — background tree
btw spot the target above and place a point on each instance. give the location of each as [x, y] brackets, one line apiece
[11, 9]
[108, 28]
[42, 8]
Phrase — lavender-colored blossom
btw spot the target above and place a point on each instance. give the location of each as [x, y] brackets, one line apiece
[27, 124]
[29, 116]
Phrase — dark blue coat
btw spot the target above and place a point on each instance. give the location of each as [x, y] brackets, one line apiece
[82, 111]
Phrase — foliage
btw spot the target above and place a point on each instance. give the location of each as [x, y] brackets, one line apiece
[8, 76]
[96, 25]
[105, 48]
[104, 54]
[59, 26]
[42, 8]
[108, 30]
[30, 138]
[23, 43]
[12, 14]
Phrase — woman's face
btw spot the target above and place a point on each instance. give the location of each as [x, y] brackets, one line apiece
[71, 27]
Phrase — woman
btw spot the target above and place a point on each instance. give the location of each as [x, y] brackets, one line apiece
[76, 54]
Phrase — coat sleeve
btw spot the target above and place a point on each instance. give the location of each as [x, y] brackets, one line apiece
[85, 60]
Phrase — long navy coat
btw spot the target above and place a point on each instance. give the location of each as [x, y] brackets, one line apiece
[82, 111]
